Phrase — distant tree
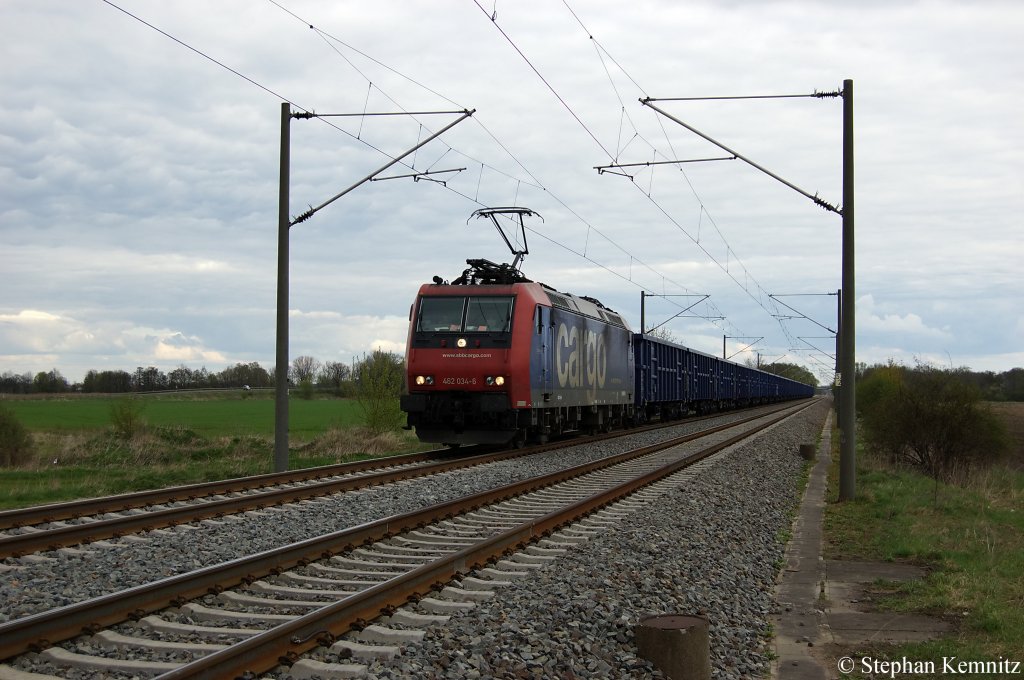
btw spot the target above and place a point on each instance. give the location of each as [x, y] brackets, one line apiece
[126, 416]
[49, 382]
[110, 382]
[304, 369]
[988, 384]
[13, 383]
[1013, 384]
[251, 374]
[258, 376]
[303, 372]
[149, 379]
[991, 386]
[663, 333]
[202, 378]
[181, 378]
[791, 371]
[335, 376]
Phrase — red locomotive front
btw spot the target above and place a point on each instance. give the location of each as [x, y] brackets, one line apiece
[467, 374]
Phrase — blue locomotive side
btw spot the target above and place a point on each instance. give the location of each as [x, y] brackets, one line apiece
[591, 363]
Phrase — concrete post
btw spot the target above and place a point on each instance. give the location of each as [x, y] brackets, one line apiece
[677, 645]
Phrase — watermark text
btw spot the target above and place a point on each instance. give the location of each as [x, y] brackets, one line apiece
[947, 665]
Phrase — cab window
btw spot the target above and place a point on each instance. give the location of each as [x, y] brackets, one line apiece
[483, 314]
[440, 314]
[488, 314]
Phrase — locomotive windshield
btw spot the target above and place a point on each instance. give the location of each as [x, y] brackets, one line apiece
[492, 314]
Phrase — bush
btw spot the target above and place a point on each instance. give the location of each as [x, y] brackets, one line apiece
[878, 393]
[929, 418]
[15, 441]
[380, 384]
[305, 390]
[126, 417]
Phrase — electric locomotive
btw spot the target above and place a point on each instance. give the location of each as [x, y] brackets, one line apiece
[494, 357]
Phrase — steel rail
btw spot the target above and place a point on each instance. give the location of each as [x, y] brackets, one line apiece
[284, 643]
[39, 631]
[52, 512]
[20, 544]
[16, 545]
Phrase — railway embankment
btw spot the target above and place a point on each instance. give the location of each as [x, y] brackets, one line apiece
[708, 547]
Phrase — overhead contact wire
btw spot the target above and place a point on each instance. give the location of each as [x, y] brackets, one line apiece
[542, 78]
[745, 286]
[325, 36]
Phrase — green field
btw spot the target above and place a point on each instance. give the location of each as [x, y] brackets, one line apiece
[222, 415]
[77, 451]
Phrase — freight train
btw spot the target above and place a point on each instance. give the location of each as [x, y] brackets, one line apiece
[493, 357]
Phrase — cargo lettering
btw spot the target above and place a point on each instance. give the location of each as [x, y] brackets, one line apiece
[581, 358]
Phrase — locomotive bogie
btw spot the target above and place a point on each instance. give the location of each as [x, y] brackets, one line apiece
[461, 417]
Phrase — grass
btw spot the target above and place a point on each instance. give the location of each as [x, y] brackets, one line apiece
[227, 414]
[79, 454]
[969, 537]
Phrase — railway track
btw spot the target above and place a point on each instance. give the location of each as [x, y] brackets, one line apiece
[50, 527]
[282, 603]
[70, 510]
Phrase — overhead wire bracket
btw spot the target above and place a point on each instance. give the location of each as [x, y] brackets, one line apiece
[417, 176]
[602, 169]
[646, 101]
[681, 314]
[464, 114]
[799, 314]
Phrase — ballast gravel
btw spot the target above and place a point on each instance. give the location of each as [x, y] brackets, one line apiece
[710, 547]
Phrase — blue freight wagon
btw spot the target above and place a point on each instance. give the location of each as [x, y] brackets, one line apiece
[672, 381]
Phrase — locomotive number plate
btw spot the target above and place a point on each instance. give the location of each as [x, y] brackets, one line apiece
[458, 381]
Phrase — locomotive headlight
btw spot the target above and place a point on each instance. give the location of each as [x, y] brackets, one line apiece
[424, 380]
[499, 381]
[461, 342]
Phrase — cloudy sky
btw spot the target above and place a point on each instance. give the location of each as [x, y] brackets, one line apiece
[139, 177]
